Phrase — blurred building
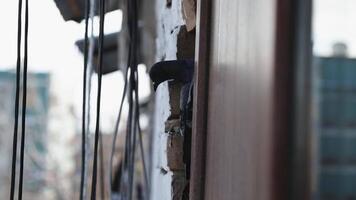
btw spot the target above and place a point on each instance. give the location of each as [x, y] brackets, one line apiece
[105, 144]
[337, 127]
[36, 132]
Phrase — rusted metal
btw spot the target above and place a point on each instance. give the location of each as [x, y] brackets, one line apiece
[200, 104]
[283, 102]
[242, 120]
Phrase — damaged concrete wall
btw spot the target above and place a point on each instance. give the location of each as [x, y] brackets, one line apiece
[169, 20]
[173, 42]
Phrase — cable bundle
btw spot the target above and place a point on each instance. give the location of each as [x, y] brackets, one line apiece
[133, 125]
[130, 90]
[97, 124]
[87, 75]
[17, 103]
[84, 108]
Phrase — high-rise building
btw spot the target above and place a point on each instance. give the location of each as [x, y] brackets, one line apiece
[36, 131]
[337, 127]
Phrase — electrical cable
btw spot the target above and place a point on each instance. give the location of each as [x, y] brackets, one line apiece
[129, 145]
[17, 102]
[132, 137]
[140, 136]
[125, 167]
[85, 72]
[133, 125]
[117, 124]
[24, 101]
[97, 125]
[89, 80]
[124, 162]
[134, 92]
[143, 157]
[102, 181]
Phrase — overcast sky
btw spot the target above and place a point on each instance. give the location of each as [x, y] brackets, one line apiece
[334, 21]
[52, 40]
[51, 45]
[52, 49]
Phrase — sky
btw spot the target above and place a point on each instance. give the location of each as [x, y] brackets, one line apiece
[51, 49]
[334, 21]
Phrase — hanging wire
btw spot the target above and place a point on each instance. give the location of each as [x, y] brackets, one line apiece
[133, 105]
[90, 72]
[84, 109]
[24, 100]
[127, 166]
[102, 174]
[17, 103]
[131, 145]
[117, 124]
[97, 125]
[143, 159]
[133, 124]
[123, 167]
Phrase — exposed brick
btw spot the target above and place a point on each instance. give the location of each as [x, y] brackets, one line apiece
[174, 99]
[173, 42]
[172, 126]
[178, 185]
[185, 44]
[175, 152]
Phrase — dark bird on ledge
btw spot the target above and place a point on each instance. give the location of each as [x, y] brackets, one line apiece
[178, 70]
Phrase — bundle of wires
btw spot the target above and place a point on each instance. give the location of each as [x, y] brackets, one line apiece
[88, 53]
[131, 92]
[87, 85]
[89, 45]
[97, 123]
[84, 105]
[17, 102]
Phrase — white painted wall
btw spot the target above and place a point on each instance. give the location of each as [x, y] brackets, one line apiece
[168, 25]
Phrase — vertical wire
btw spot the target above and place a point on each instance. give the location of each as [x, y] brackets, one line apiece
[24, 101]
[89, 79]
[133, 91]
[17, 102]
[97, 126]
[102, 176]
[129, 136]
[124, 165]
[143, 159]
[85, 72]
[133, 124]
[131, 133]
[133, 153]
[117, 124]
